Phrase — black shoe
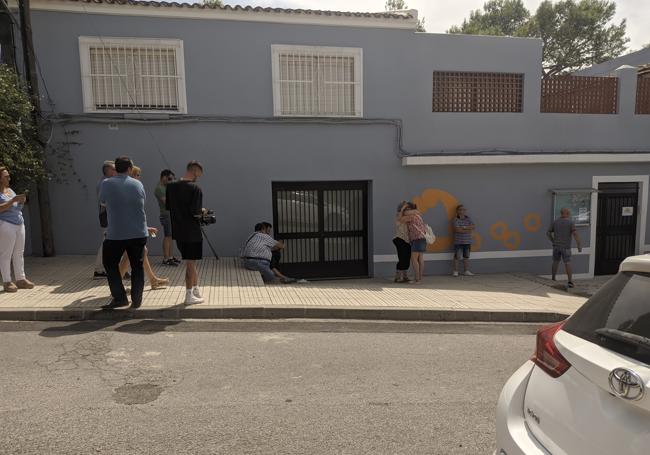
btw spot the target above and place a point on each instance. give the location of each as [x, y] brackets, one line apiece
[115, 304]
[135, 306]
[570, 284]
[176, 260]
[99, 275]
[171, 262]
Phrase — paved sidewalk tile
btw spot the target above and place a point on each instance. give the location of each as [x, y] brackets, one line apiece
[65, 283]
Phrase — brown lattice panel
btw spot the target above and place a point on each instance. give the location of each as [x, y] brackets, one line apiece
[455, 91]
[643, 95]
[579, 95]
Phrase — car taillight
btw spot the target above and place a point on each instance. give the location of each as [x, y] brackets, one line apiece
[547, 356]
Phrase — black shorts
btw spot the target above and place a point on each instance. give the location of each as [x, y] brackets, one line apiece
[190, 251]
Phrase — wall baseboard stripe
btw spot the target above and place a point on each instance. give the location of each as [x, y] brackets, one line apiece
[378, 258]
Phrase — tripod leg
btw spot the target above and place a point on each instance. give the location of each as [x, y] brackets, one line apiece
[216, 256]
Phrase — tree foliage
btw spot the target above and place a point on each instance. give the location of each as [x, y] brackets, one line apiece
[397, 5]
[213, 3]
[20, 150]
[498, 17]
[574, 34]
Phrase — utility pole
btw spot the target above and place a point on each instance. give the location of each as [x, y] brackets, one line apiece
[31, 76]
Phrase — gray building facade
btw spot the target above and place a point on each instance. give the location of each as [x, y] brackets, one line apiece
[296, 170]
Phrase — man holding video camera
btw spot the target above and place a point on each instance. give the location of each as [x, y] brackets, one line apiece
[184, 200]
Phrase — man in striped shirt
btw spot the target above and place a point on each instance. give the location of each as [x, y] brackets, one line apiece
[258, 251]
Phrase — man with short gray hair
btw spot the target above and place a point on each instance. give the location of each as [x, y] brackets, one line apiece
[108, 171]
[560, 233]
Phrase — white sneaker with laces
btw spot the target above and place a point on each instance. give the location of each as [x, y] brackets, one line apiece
[191, 299]
[468, 273]
[197, 292]
[454, 274]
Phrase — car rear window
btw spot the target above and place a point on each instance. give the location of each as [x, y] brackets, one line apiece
[623, 303]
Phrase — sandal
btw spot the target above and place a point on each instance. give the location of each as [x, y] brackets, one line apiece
[159, 283]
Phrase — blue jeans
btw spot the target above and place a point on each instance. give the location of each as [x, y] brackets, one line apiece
[463, 249]
[261, 265]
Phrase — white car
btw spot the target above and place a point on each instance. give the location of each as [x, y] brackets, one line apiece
[585, 390]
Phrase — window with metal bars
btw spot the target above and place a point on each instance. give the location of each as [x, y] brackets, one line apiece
[459, 91]
[317, 81]
[129, 75]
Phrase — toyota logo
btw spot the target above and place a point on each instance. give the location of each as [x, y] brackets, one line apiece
[626, 384]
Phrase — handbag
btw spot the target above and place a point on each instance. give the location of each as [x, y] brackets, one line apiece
[429, 235]
[103, 218]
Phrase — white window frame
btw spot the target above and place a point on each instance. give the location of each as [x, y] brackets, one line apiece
[356, 52]
[86, 42]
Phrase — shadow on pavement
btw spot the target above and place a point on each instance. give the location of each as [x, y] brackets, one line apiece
[147, 326]
[76, 328]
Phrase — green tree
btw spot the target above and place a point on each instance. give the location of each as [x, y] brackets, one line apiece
[397, 5]
[213, 3]
[574, 34]
[498, 17]
[20, 150]
[577, 34]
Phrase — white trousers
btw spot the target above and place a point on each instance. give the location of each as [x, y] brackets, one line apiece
[12, 249]
[99, 260]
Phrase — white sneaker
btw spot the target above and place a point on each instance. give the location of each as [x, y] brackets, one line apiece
[468, 273]
[197, 292]
[191, 299]
[454, 274]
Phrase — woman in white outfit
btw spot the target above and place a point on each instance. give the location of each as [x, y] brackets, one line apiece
[12, 235]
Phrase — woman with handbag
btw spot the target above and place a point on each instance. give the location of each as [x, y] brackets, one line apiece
[403, 245]
[12, 235]
[417, 231]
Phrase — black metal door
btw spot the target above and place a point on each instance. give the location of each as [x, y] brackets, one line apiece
[324, 226]
[616, 225]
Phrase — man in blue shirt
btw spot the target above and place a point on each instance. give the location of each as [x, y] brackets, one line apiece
[124, 199]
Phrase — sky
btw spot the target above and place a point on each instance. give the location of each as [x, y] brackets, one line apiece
[441, 14]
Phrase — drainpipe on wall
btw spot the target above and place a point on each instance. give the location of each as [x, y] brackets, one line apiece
[47, 237]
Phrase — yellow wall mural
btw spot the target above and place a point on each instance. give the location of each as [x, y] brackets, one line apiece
[499, 230]
[430, 199]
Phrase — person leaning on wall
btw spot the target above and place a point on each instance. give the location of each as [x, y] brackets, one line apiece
[463, 227]
[12, 235]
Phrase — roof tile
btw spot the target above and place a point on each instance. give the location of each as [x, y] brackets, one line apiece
[252, 9]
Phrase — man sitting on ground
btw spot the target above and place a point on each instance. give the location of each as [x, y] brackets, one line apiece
[258, 254]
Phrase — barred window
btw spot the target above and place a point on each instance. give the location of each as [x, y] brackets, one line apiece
[132, 75]
[317, 81]
[456, 91]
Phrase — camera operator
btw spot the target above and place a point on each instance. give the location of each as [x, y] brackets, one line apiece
[184, 200]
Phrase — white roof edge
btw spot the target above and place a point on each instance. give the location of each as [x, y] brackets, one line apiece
[217, 14]
[540, 158]
[636, 264]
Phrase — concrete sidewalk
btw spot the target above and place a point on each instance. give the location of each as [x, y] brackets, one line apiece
[66, 291]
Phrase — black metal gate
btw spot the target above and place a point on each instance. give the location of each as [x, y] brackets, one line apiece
[324, 226]
[616, 225]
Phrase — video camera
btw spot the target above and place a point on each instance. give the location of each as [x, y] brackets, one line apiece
[207, 218]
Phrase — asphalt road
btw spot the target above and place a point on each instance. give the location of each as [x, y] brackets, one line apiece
[258, 387]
